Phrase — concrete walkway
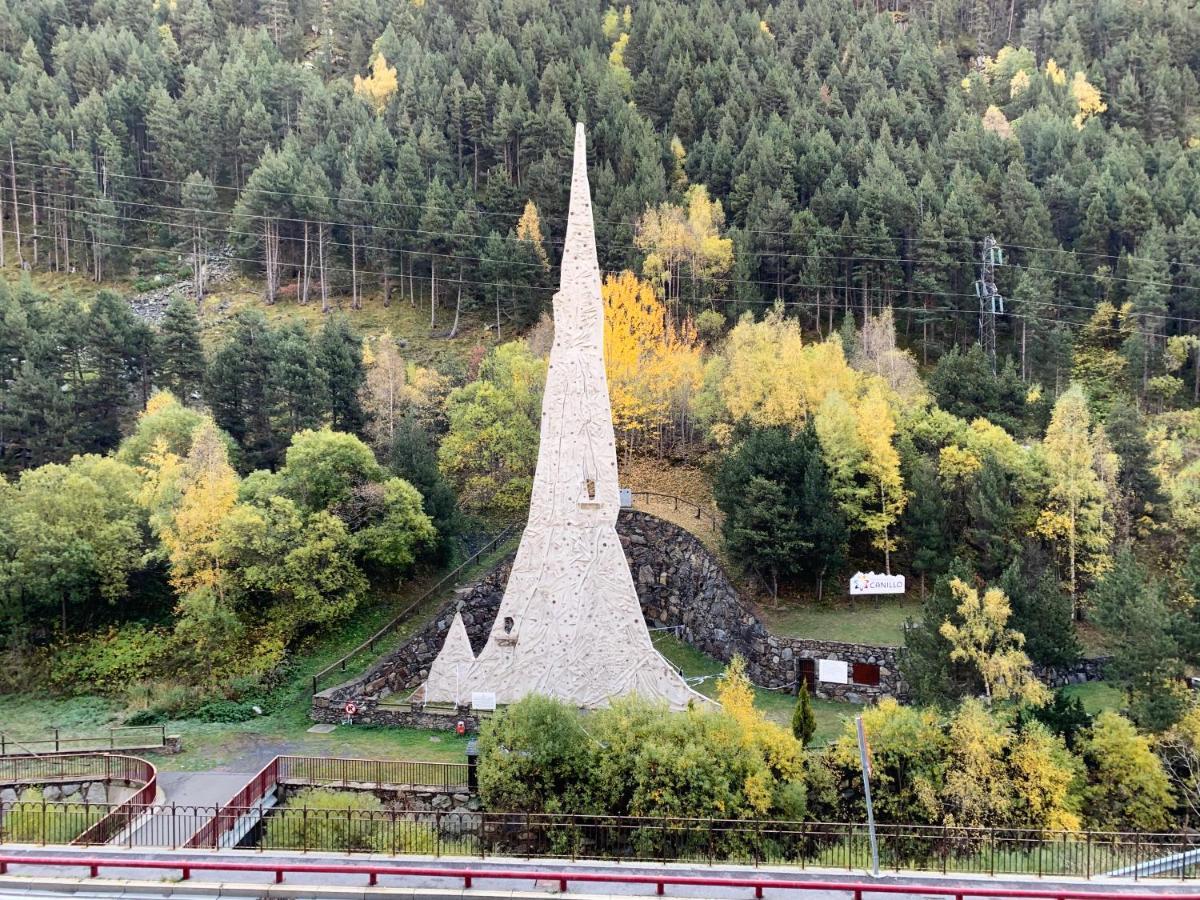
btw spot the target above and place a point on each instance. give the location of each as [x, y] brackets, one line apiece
[194, 796]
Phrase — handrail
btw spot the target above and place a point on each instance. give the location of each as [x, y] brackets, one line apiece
[700, 510]
[855, 889]
[226, 818]
[70, 744]
[369, 643]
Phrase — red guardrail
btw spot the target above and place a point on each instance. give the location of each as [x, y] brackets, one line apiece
[660, 882]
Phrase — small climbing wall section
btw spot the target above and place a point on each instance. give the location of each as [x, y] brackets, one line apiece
[570, 625]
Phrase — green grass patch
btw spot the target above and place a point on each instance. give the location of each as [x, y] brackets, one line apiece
[868, 621]
[1097, 696]
[775, 705]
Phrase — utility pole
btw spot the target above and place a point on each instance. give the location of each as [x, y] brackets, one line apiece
[864, 756]
[991, 304]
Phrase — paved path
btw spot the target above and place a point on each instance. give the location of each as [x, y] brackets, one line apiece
[205, 883]
[203, 790]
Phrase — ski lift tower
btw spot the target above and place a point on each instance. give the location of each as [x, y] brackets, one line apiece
[991, 304]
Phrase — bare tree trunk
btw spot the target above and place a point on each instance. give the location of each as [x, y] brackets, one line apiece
[353, 271]
[304, 273]
[271, 250]
[432, 291]
[36, 233]
[457, 304]
[412, 282]
[387, 284]
[321, 257]
[12, 177]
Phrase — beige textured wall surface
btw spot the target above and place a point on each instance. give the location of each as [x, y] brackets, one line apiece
[570, 625]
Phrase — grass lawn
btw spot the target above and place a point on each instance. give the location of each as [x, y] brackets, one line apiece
[866, 621]
[283, 727]
[776, 705]
[1097, 696]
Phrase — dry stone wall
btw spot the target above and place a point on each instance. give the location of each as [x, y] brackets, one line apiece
[681, 585]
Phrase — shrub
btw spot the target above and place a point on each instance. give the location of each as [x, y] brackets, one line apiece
[224, 711]
[108, 661]
[325, 819]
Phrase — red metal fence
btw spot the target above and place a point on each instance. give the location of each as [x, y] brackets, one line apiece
[226, 818]
[316, 770]
[107, 767]
[659, 881]
[320, 771]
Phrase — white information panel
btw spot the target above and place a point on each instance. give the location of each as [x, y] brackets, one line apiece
[483, 699]
[834, 671]
[870, 583]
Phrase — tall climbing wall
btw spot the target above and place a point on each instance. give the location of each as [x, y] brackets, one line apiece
[570, 625]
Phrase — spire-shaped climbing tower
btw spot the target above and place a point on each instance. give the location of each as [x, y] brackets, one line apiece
[570, 625]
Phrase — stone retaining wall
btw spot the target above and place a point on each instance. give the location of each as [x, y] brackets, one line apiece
[680, 584]
[90, 792]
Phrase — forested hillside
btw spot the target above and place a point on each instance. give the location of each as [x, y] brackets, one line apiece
[913, 289]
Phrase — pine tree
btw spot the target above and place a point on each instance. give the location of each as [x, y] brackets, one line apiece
[925, 525]
[180, 352]
[412, 456]
[804, 720]
[339, 359]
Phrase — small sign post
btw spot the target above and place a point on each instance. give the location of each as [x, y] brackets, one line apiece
[866, 775]
[349, 710]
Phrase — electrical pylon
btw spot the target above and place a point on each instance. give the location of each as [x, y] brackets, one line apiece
[991, 304]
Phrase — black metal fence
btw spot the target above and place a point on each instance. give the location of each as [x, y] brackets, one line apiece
[831, 846]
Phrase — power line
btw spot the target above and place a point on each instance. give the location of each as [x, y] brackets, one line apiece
[551, 217]
[706, 299]
[1183, 320]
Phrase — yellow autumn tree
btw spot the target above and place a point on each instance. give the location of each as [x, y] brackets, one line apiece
[881, 467]
[394, 388]
[529, 229]
[1087, 99]
[684, 236]
[203, 488]
[985, 643]
[379, 86]
[767, 376]
[780, 750]
[1075, 517]
[653, 368]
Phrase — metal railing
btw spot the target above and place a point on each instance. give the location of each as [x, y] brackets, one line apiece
[226, 818]
[698, 511]
[468, 876]
[320, 771]
[404, 615]
[97, 823]
[466, 833]
[316, 771]
[126, 737]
